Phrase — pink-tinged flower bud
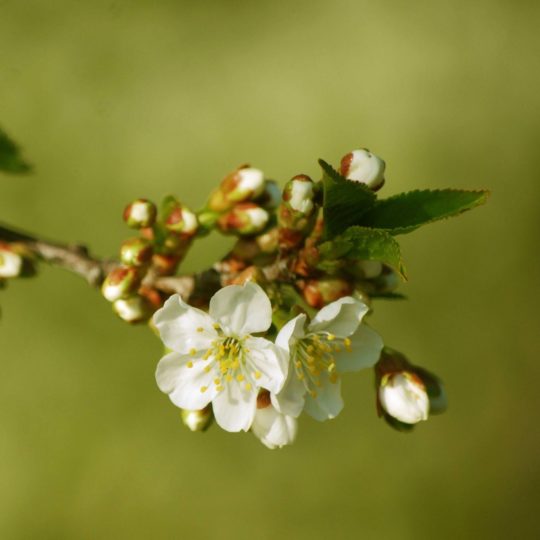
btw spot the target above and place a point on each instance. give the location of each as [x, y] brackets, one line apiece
[136, 252]
[320, 292]
[243, 184]
[121, 282]
[365, 167]
[244, 218]
[140, 213]
[406, 394]
[403, 395]
[135, 309]
[11, 263]
[299, 194]
[181, 219]
[199, 420]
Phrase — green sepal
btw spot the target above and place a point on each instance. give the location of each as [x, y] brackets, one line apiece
[406, 212]
[397, 425]
[344, 201]
[362, 243]
[11, 160]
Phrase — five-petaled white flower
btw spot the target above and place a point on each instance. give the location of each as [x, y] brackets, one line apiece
[216, 359]
[334, 342]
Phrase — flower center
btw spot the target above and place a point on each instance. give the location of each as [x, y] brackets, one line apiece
[315, 357]
[228, 359]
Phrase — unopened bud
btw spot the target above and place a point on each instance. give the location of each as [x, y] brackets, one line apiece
[406, 394]
[403, 395]
[11, 263]
[365, 167]
[368, 269]
[165, 265]
[181, 219]
[121, 283]
[320, 292]
[134, 309]
[244, 184]
[140, 213]
[299, 194]
[271, 197]
[244, 218]
[198, 420]
[136, 252]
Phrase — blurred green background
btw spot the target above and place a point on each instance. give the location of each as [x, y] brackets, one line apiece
[115, 100]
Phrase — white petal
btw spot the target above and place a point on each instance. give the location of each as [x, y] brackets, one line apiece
[291, 331]
[241, 309]
[340, 318]
[328, 403]
[183, 383]
[405, 399]
[291, 399]
[180, 326]
[366, 346]
[274, 429]
[269, 362]
[234, 407]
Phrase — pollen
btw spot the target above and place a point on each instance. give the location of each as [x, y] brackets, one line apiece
[228, 378]
[330, 337]
[257, 374]
[204, 389]
[216, 326]
[348, 344]
[193, 352]
[200, 329]
[239, 377]
[248, 386]
[189, 364]
[217, 381]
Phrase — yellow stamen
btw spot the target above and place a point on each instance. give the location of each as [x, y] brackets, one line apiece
[200, 329]
[193, 352]
[257, 374]
[203, 389]
[189, 364]
[239, 377]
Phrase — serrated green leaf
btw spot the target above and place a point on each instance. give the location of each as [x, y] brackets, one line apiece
[11, 160]
[406, 212]
[365, 244]
[344, 201]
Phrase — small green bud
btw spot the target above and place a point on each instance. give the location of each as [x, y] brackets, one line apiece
[198, 420]
[11, 263]
[121, 282]
[141, 213]
[136, 252]
[134, 309]
[364, 167]
[245, 219]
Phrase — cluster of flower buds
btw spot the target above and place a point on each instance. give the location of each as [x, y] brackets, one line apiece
[241, 204]
[406, 394]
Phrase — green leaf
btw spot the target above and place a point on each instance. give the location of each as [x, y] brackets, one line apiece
[10, 156]
[344, 201]
[405, 212]
[365, 244]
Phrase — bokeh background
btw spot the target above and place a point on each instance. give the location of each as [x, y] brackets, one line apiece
[115, 100]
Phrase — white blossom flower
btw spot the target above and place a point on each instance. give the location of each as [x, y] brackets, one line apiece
[216, 359]
[403, 395]
[272, 428]
[334, 342]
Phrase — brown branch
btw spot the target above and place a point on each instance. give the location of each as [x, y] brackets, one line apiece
[74, 258]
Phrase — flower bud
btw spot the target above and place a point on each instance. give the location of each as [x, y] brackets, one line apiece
[365, 167]
[181, 219]
[403, 395]
[165, 265]
[299, 195]
[245, 218]
[241, 185]
[121, 282]
[136, 252]
[406, 394]
[11, 263]
[140, 213]
[134, 309]
[198, 420]
[270, 198]
[320, 292]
